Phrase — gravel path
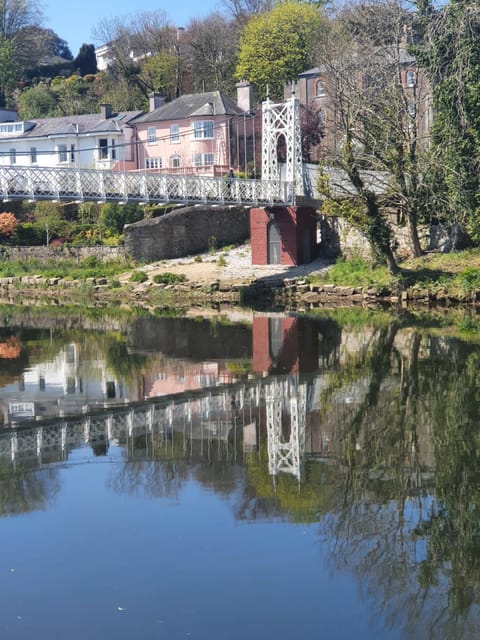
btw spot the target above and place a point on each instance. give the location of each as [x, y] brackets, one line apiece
[232, 265]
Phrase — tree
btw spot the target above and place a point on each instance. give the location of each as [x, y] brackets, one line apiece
[8, 223]
[37, 102]
[86, 61]
[159, 73]
[379, 119]
[8, 68]
[450, 54]
[209, 49]
[276, 46]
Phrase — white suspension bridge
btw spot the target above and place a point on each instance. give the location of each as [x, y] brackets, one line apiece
[87, 185]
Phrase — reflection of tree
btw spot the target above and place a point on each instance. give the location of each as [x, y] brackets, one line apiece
[283, 495]
[452, 527]
[417, 557]
[24, 491]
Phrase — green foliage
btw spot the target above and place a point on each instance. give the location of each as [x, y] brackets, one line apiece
[138, 276]
[451, 58]
[90, 267]
[114, 216]
[169, 278]
[159, 73]
[37, 102]
[354, 272]
[276, 46]
[86, 62]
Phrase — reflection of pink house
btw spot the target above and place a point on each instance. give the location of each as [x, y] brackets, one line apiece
[201, 133]
[187, 377]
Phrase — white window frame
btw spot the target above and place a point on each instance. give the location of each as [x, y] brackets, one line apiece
[62, 151]
[320, 89]
[103, 149]
[33, 155]
[151, 135]
[153, 163]
[410, 78]
[203, 129]
[175, 162]
[175, 133]
[203, 159]
[13, 156]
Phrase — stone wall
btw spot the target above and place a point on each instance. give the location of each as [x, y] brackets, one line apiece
[186, 231]
[339, 237]
[71, 253]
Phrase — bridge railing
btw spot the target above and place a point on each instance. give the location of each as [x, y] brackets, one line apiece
[44, 183]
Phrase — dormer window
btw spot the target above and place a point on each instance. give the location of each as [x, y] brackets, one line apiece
[13, 128]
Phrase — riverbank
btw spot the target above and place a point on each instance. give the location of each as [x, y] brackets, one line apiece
[227, 276]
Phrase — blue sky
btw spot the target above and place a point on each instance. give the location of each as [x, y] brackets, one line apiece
[75, 22]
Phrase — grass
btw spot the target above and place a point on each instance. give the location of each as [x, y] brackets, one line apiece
[459, 272]
[90, 267]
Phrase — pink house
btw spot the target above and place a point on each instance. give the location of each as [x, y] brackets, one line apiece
[201, 133]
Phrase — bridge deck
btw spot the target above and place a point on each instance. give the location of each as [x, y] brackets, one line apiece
[87, 185]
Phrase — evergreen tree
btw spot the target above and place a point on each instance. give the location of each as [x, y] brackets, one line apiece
[86, 60]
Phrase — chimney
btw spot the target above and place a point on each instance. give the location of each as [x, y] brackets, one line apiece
[155, 100]
[106, 111]
[244, 95]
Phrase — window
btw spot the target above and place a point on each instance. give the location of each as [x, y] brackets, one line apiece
[175, 162]
[72, 153]
[174, 133]
[41, 383]
[203, 129]
[151, 135]
[411, 109]
[103, 149]
[13, 156]
[320, 89]
[410, 78]
[33, 155]
[203, 159]
[12, 127]
[62, 153]
[113, 151]
[153, 163]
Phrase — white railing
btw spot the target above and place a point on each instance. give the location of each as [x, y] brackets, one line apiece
[42, 183]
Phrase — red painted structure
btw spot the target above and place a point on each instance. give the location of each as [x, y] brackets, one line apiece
[283, 235]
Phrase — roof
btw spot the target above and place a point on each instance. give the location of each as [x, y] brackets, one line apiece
[211, 103]
[80, 124]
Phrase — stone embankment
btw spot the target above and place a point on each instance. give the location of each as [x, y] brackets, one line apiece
[286, 292]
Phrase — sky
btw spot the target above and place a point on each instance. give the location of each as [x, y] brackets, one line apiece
[74, 22]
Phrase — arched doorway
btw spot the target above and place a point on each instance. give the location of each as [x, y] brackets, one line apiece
[273, 243]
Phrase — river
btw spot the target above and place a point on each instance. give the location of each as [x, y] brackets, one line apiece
[240, 476]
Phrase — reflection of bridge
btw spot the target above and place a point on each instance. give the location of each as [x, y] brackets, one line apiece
[279, 120]
[211, 418]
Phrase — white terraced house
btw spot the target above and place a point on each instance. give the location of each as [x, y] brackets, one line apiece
[93, 141]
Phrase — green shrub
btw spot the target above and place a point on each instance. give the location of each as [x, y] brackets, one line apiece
[169, 278]
[198, 259]
[138, 276]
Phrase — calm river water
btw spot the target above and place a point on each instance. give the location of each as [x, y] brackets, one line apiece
[244, 476]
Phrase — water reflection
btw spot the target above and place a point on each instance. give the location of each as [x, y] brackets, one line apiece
[369, 430]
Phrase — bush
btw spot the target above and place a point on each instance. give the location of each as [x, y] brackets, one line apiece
[138, 276]
[169, 278]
